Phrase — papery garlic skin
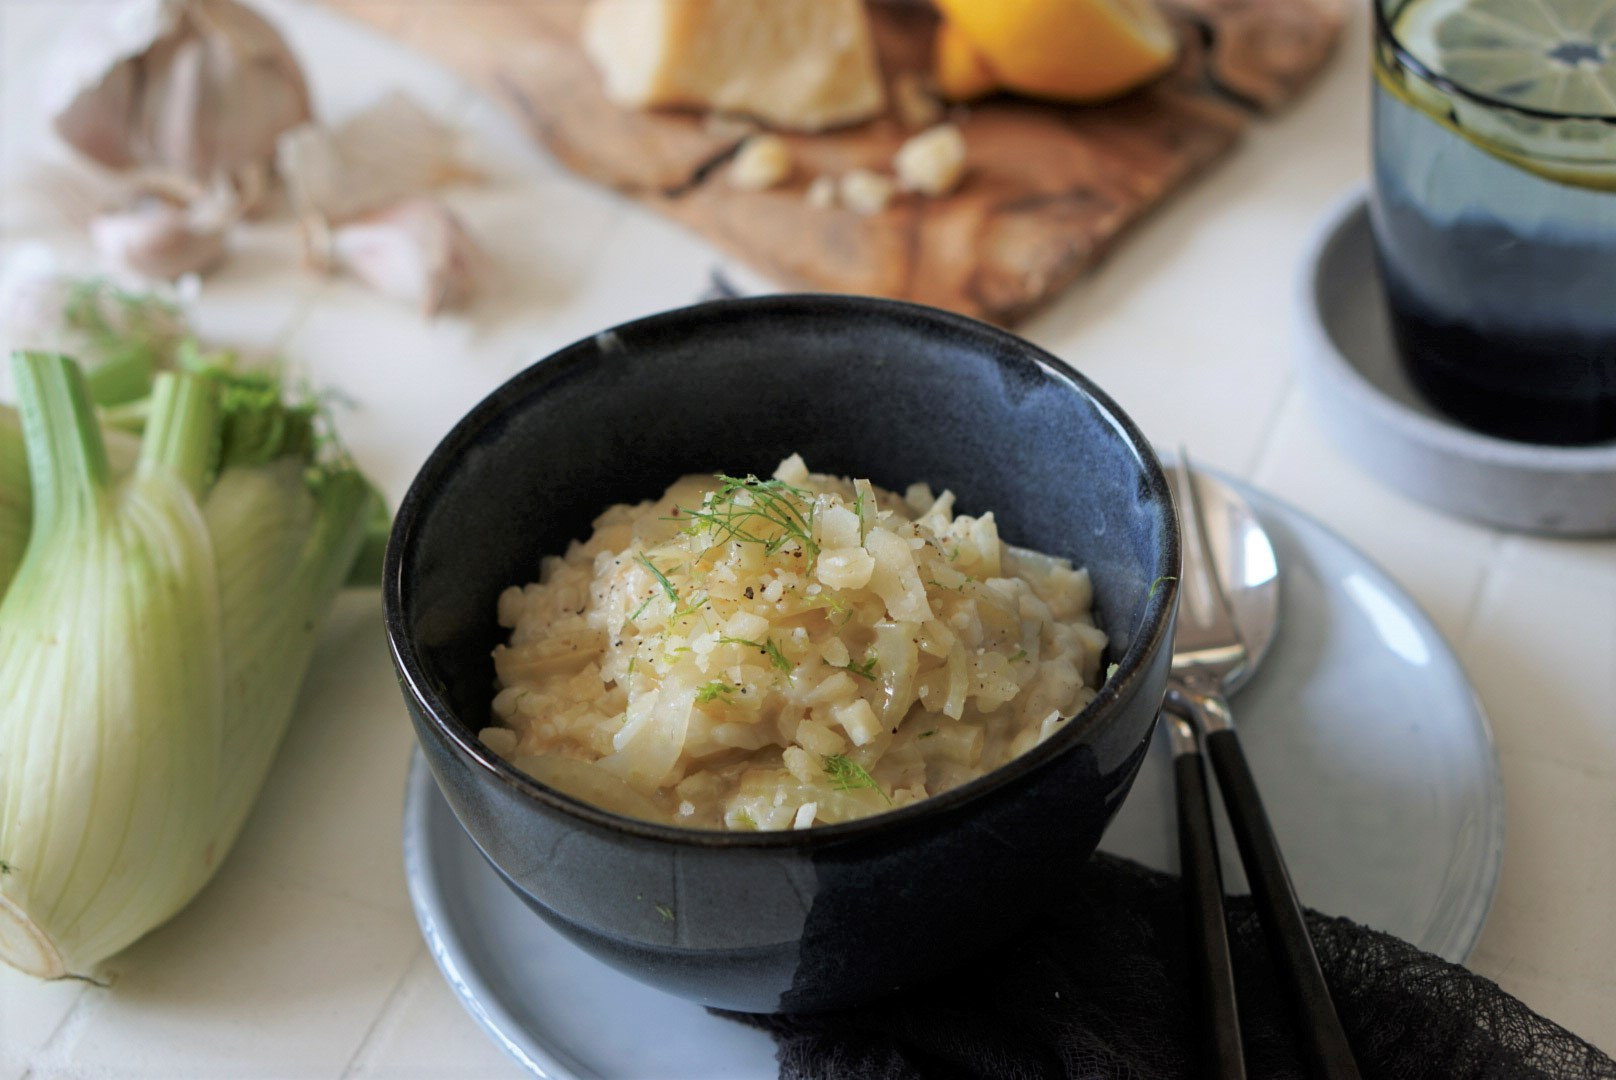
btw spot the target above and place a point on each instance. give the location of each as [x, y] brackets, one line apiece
[416, 251]
[391, 150]
[156, 239]
[198, 90]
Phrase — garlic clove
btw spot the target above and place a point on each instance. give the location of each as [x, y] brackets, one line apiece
[415, 250]
[199, 89]
[155, 238]
[393, 149]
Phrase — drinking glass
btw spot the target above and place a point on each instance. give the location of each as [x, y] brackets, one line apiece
[1494, 209]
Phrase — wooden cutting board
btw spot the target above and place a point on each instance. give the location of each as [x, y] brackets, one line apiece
[1049, 188]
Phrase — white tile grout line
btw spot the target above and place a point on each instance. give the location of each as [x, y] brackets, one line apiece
[67, 1017]
[295, 321]
[325, 890]
[1267, 445]
[70, 1019]
[388, 1003]
[1497, 551]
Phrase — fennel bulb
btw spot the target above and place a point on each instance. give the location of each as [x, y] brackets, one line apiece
[15, 500]
[152, 641]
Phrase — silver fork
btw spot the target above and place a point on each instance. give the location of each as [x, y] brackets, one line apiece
[1211, 657]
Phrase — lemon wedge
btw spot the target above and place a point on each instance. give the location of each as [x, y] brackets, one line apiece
[1065, 50]
[962, 72]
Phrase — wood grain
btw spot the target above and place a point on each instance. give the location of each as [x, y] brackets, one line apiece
[1048, 190]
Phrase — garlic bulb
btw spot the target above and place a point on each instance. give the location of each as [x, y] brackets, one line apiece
[415, 250]
[189, 90]
[155, 237]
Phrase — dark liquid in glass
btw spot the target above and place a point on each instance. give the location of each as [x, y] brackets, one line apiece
[1492, 370]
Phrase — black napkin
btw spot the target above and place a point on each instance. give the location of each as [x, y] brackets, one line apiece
[1101, 989]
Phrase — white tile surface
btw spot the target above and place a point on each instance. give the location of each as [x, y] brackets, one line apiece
[302, 959]
[1549, 925]
[1439, 559]
[328, 817]
[1542, 650]
[27, 29]
[255, 980]
[258, 297]
[30, 1014]
[426, 1035]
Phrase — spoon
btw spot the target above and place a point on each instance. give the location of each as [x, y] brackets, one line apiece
[1228, 613]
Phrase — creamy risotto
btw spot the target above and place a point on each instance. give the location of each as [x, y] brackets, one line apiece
[750, 653]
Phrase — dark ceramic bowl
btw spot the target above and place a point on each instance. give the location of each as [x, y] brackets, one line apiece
[824, 917]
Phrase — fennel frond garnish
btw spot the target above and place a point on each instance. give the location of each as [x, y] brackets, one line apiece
[866, 670]
[776, 656]
[848, 775]
[768, 512]
[714, 690]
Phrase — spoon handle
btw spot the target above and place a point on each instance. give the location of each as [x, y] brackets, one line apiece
[1279, 910]
[1203, 897]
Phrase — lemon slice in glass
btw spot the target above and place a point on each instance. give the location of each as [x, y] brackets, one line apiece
[1556, 56]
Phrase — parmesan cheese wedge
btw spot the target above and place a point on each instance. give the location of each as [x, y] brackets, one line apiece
[803, 65]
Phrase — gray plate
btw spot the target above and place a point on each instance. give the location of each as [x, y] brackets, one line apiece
[1372, 753]
[1347, 361]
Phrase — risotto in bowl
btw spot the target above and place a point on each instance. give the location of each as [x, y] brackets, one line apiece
[784, 652]
[770, 653]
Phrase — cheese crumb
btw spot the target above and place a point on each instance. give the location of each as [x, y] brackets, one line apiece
[762, 162]
[845, 568]
[858, 720]
[931, 162]
[865, 192]
[821, 194]
[802, 765]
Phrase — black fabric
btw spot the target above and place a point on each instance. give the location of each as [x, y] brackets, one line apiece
[1100, 990]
